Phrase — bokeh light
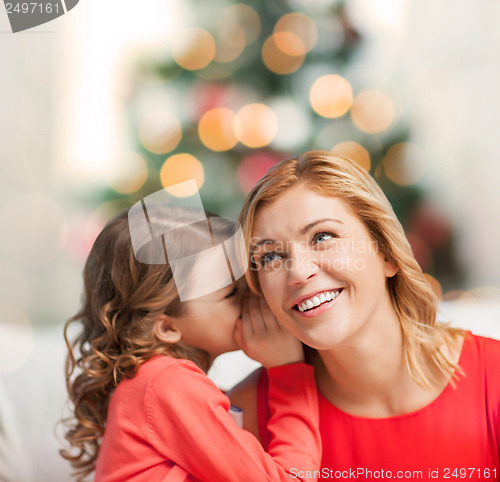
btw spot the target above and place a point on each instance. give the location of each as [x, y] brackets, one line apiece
[296, 33]
[193, 48]
[180, 168]
[485, 293]
[130, 173]
[432, 225]
[331, 96]
[435, 285]
[15, 284]
[216, 129]
[317, 6]
[253, 167]
[275, 59]
[421, 251]
[34, 229]
[256, 125]
[17, 340]
[244, 17]
[160, 132]
[373, 111]
[230, 42]
[355, 151]
[294, 126]
[405, 163]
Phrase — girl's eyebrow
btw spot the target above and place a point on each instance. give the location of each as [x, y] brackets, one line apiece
[302, 231]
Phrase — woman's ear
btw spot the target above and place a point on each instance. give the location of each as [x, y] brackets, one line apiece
[166, 329]
[390, 269]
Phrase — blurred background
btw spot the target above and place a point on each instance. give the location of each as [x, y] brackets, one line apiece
[115, 100]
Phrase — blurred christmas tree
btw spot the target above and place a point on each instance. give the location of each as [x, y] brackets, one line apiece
[248, 84]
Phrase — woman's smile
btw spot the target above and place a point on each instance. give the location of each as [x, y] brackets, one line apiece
[316, 304]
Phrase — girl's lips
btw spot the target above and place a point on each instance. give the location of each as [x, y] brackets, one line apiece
[318, 310]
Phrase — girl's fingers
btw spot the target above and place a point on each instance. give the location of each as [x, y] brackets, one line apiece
[246, 322]
[270, 320]
[255, 314]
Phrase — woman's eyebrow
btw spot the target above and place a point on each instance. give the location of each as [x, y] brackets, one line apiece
[309, 226]
[304, 230]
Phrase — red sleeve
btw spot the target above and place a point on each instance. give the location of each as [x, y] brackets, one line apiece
[187, 421]
[491, 354]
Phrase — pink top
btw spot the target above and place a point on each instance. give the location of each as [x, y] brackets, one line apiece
[457, 436]
[171, 423]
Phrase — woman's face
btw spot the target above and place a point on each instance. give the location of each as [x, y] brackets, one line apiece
[319, 269]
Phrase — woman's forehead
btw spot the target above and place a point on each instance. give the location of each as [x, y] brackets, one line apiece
[298, 208]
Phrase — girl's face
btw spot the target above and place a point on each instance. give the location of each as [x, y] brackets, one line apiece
[208, 321]
[320, 271]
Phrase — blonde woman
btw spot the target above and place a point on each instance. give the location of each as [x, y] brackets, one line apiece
[400, 395]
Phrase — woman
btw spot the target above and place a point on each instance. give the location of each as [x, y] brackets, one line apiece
[401, 395]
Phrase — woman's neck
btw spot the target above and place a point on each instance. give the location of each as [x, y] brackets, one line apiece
[368, 377]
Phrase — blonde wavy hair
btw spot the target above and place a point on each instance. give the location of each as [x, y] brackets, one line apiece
[412, 297]
[122, 300]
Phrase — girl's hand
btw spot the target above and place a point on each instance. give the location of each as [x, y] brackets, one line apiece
[262, 338]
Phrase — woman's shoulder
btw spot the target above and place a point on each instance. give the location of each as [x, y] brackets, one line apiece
[488, 348]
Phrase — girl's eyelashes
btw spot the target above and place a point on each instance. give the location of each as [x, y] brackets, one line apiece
[232, 293]
[269, 257]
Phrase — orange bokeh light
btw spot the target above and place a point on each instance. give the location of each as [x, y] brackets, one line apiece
[354, 151]
[216, 129]
[180, 168]
[373, 111]
[275, 59]
[256, 125]
[301, 30]
[405, 163]
[193, 48]
[331, 96]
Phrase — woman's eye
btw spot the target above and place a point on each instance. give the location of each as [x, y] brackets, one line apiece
[320, 237]
[269, 257]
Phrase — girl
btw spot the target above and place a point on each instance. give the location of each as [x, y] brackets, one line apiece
[401, 395]
[136, 373]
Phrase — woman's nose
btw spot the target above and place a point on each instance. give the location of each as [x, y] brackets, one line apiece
[300, 268]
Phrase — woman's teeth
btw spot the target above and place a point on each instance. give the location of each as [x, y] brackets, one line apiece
[318, 300]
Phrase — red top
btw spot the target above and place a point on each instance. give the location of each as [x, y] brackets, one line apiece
[455, 436]
[171, 423]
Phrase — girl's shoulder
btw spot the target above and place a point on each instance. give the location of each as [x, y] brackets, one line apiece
[159, 369]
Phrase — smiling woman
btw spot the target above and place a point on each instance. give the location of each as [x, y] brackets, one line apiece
[332, 261]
